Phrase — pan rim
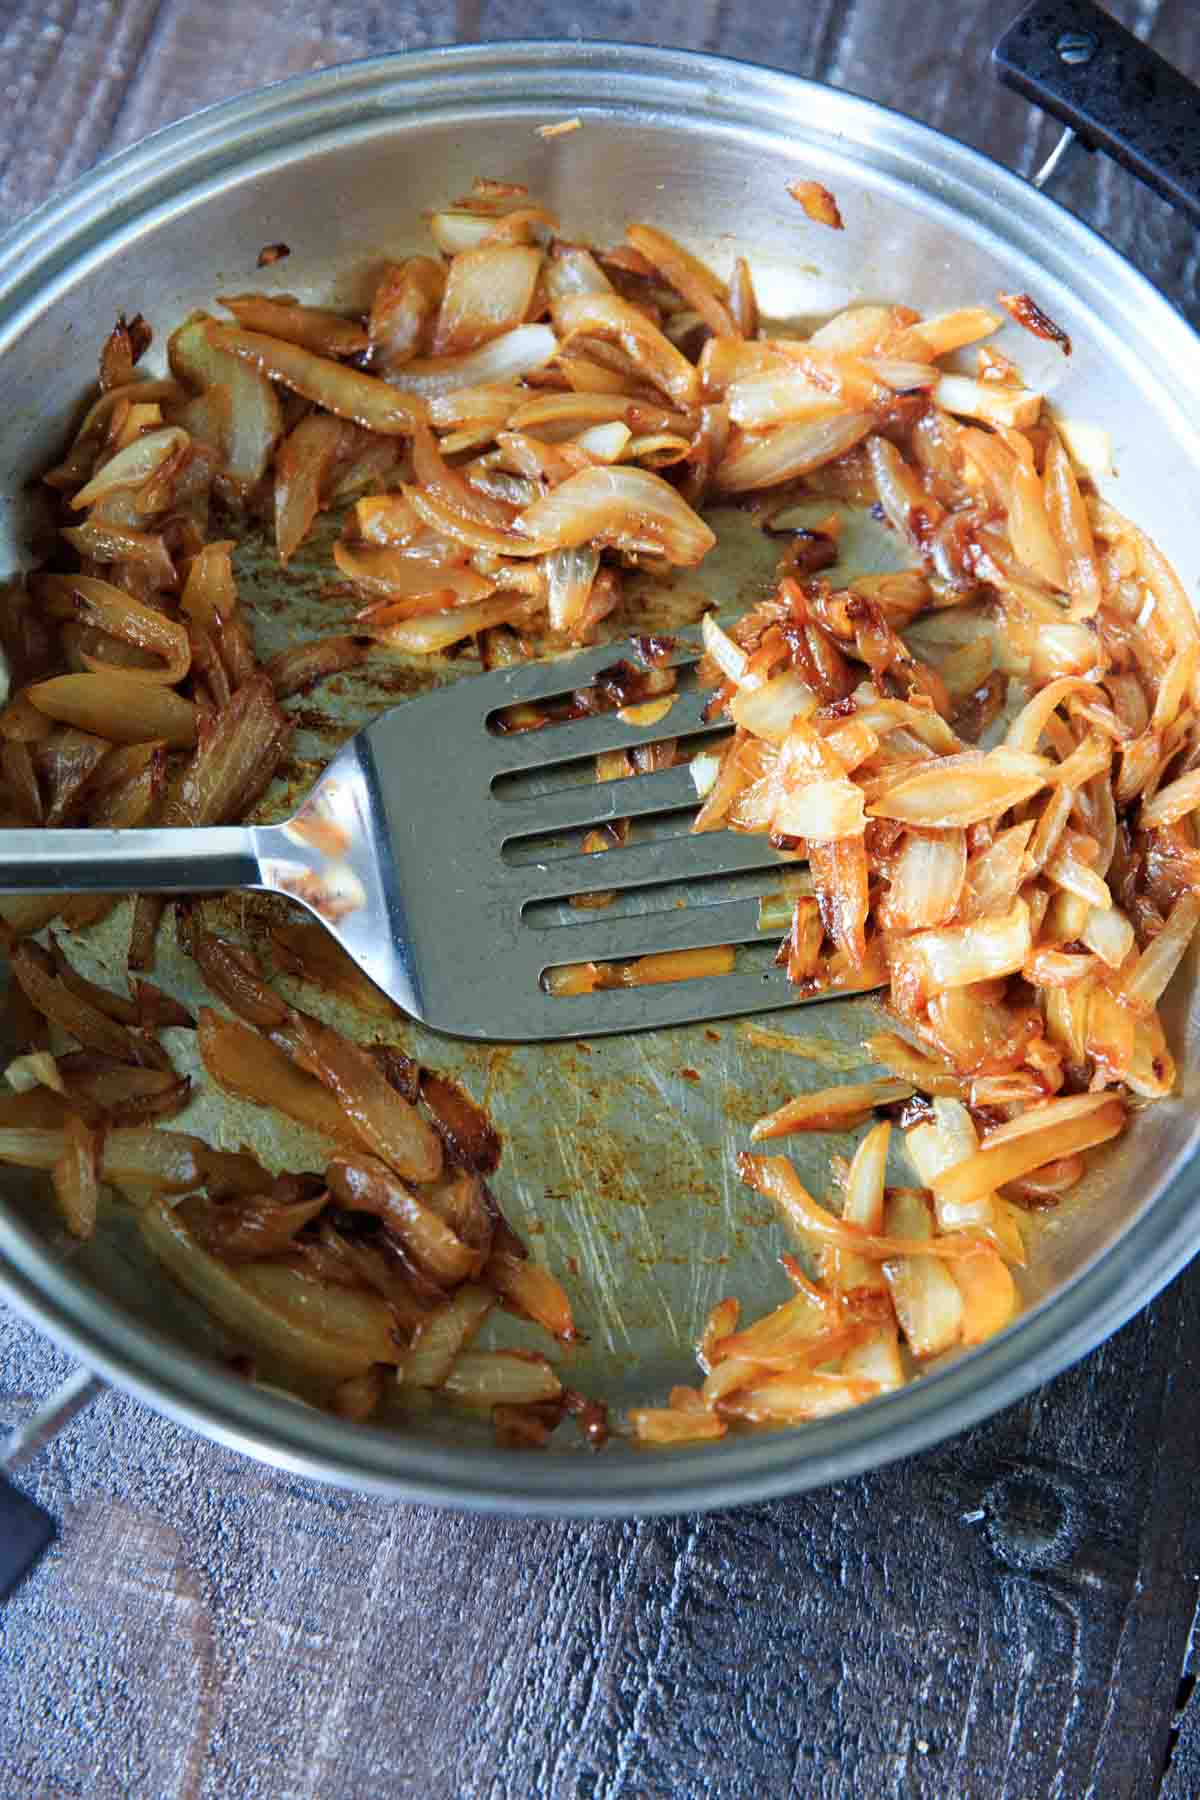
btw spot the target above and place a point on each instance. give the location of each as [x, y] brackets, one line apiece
[41, 251]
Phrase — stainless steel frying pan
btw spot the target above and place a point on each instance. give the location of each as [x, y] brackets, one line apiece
[619, 1154]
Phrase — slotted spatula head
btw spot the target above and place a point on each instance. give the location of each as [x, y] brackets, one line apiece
[476, 832]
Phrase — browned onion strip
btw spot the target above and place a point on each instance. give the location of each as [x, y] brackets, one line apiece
[832, 1109]
[313, 327]
[991, 1167]
[366, 1185]
[118, 706]
[244, 1063]
[124, 617]
[370, 402]
[387, 1125]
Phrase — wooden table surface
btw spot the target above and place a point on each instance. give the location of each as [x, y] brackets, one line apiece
[1008, 1617]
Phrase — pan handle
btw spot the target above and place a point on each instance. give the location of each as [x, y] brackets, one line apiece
[1113, 91]
[26, 1529]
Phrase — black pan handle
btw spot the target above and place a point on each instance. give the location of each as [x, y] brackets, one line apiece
[1115, 93]
[26, 1533]
[26, 1529]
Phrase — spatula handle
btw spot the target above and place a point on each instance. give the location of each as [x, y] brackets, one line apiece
[155, 860]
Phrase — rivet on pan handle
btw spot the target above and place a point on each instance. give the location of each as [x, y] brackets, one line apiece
[26, 1529]
[1111, 90]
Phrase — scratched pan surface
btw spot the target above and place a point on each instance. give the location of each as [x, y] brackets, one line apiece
[618, 1154]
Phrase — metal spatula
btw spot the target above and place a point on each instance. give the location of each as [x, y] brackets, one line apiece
[427, 859]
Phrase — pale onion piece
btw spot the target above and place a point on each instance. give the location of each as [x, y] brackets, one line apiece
[966, 793]
[445, 514]
[391, 574]
[34, 1146]
[1072, 531]
[929, 1305]
[927, 1074]
[646, 712]
[698, 286]
[862, 330]
[327, 333]
[729, 657]
[1026, 730]
[1029, 530]
[676, 965]
[1065, 649]
[992, 401]
[1108, 933]
[721, 1321]
[877, 1359]
[995, 1164]
[1144, 984]
[1110, 1036]
[944, 332]
[704, 769]
[903, 376]
[1175, 686]
[759, 401]
[1068, 871]
[36, 1069]
[454, 231]
[1151, 1071]
[505, 359]
[1089, 759]
[989, 1294]
[954, 956]
[331, 1332]
[374, 404]
[1046, 1116]
[1005, 1233]
[629, 508]
[609, 443]
[242, 408]
[726, 360]
[554, 416]
[441, 1337]
[406, 297]
[573, 270]
[386, 519]
[1090, 446]
[1173, 802]
[134, 466]
[488, 1378]
[948, 1139]
[119, 707]
[830, 1109]
[609, 317]
[909, 507]
[430, 633]
[75, 1177]
[865, 1181]
[303, 465]
[665, 1425]
[569, 578]
[926, 880]
[824, 810]
[790, 451]
[488, 291]
[768, 711]
[528, 1288]
[790, 1399]
[489, 405]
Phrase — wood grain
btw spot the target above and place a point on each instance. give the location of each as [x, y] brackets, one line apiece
[1009, 1617]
